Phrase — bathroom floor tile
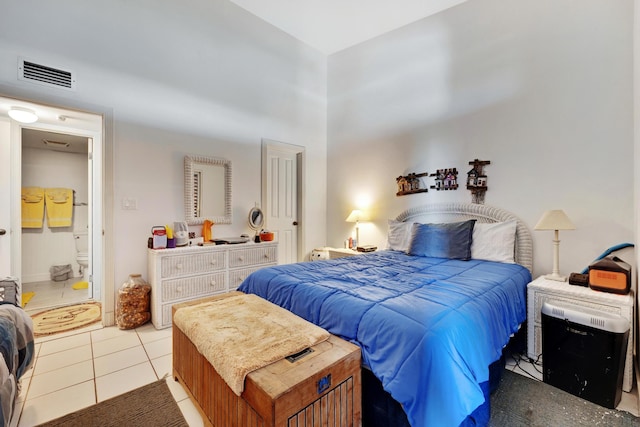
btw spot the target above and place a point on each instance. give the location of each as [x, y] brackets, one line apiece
[190, 413]
[61, 344]
[163, 365]
[149, 333]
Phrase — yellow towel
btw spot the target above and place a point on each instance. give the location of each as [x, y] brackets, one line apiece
[32, 207]
[59, 206]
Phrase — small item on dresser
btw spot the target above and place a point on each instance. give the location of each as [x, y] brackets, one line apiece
[367, 248]
[266, 236]
[579, 279]
[181, 233]
[133, 307]
[171, 241]
[610, 274]
[159, 237]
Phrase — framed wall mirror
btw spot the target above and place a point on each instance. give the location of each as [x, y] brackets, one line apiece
[207, 190]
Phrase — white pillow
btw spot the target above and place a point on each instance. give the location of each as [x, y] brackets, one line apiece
[494, 241]
[399, 235]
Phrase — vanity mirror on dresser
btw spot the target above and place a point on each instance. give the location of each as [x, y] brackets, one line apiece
[193, 272]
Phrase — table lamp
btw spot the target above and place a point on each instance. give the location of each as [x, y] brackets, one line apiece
[357, 216]
[555, 220]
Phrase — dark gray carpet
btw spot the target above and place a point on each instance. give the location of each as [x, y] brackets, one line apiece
[521, 401]
[151, 405]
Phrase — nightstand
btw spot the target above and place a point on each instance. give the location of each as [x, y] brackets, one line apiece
[341, 252]
[541, 290]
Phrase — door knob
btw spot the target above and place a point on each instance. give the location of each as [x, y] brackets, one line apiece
[3, 231]
[295, 222]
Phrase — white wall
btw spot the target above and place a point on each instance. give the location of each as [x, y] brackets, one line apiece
[200, 77]
[45, 247]
[542, 89]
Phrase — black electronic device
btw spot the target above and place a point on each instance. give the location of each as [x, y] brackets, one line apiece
[579, 279]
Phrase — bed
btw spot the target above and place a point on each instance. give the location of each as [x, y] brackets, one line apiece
[430, 318]
[16, 348]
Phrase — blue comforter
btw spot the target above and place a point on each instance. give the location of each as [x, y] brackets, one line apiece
[428, 327]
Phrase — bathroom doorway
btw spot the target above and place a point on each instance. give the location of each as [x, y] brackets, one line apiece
[56, 269]
[58, 245]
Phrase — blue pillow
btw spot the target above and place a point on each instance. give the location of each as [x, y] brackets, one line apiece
[451, 240]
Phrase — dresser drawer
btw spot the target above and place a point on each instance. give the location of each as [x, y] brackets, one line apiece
[253, 256]
[236, 277]
[178, 289]
[175, 266]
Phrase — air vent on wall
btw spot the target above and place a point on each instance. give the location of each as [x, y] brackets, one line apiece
[57, 144]
[45, 75]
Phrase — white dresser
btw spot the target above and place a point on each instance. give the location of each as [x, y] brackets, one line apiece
[541, 290]
[183, 274]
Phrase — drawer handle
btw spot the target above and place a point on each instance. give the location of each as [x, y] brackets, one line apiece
[179, 266]
[213, 262]
[240, 258]
[266, 256]
[179, 289]
[213, 283]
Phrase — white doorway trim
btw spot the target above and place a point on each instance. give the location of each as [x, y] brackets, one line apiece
[102, 188]
[269, 146]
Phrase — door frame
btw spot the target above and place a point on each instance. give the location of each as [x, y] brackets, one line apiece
[269, 145]
[102, 237]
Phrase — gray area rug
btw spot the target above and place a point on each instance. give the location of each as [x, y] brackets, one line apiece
[521, 401]
[150, 405]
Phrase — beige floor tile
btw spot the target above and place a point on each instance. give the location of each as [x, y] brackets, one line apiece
[149, 333]
[190, 413]
[125, 380]
[61, 359]
[108, 333]
[60, 378]
[119, 360]
[50, 406]
[163, 365]
[62, 344]
[158, 348]
[113, 345]
[177, 390]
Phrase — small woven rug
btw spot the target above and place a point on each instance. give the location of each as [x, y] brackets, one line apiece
[150, 405]
[67, 318]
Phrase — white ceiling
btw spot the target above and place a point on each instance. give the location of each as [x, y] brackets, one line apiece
[333, 25]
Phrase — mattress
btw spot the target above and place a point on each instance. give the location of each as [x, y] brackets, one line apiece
[428, 327]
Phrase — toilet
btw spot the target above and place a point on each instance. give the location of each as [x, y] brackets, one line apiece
[81, 238]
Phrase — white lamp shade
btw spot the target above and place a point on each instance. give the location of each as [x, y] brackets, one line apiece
[357, 215]
[554, 220]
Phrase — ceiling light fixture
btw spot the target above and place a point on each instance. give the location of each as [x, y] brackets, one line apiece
[23, 115]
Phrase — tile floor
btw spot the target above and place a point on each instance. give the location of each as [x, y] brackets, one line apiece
[78, 369]
[50, 294]
[75, 371]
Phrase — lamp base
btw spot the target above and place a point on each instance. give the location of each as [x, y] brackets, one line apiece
[556, 277]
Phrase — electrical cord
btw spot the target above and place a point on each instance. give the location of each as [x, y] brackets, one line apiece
[517, 358]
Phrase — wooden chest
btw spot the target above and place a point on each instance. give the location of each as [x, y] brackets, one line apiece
[320, 388]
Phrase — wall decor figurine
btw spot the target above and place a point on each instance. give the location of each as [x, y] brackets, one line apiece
[477, 180]
[410, 184]
[446, 179]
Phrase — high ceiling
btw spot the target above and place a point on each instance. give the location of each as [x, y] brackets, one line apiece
[333, 25]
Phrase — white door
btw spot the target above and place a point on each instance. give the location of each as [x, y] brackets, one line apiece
[5, 198]
[280, 169]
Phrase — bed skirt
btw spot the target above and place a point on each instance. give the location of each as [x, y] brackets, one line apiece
[379, 409]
